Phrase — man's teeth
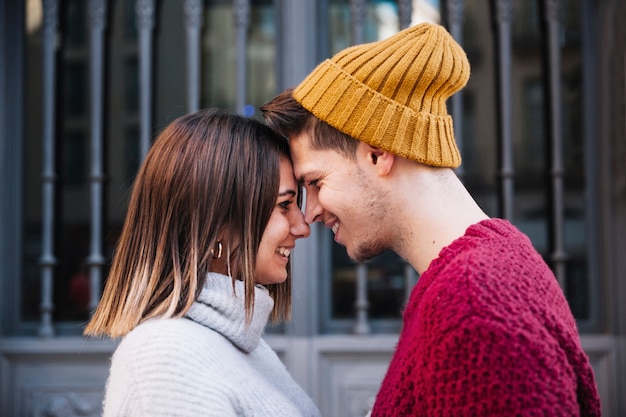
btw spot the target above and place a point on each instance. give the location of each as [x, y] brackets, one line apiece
[335, 228]
[284, 251]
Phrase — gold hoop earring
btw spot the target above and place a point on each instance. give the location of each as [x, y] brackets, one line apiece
[218, 246]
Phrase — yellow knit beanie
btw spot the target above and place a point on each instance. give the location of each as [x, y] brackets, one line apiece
[392, 93]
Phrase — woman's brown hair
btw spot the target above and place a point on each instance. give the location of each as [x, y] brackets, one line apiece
[209, 175]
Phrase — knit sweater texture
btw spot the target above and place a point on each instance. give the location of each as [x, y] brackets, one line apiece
[208, 363]
[488, 332]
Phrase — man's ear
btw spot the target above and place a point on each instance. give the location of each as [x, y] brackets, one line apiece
[376, 158]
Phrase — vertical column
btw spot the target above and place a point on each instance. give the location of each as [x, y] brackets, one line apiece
[455, 11]
[48, 177]
[193, 26]
[361, 326]
[241, 10]
[12, 45]
[405, 9]
[410, 278]
[361, 305]
[552, 64]
[503, 19]
[145, 10]
[310, 257]
[97, 21]
[357, 14]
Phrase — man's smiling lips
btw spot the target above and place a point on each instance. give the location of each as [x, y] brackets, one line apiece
[332, 225]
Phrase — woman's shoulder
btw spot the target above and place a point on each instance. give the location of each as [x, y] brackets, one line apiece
[170, 329]
[168, 341]
[177, 350]
[170, 367]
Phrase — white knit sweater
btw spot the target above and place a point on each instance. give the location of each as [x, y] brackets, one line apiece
[206, 364]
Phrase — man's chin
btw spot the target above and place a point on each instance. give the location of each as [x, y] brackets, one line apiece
[363, 254]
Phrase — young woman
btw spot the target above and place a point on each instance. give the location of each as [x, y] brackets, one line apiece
[201, 265]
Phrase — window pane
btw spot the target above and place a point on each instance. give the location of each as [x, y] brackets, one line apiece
[381, 21]
[219, 55]
[480, 143]
[385, 285]
[261, 54]
[70, 293]
[72, 225]
[31, 163]
[531, 145]
[577, 243]
[73, 188]
[385, 273]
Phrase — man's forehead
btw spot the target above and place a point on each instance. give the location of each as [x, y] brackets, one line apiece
[303, 171]
[300, 151]
[302, 139]
[304, 168]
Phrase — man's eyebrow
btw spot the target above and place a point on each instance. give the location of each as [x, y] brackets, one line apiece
[302, 180]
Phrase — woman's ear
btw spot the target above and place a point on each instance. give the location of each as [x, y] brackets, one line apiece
[378, 159]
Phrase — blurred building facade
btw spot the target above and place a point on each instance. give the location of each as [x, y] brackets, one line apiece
[86, 85]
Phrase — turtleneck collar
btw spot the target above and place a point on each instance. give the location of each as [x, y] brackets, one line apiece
[220, 309]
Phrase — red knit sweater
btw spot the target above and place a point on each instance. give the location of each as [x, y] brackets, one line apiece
[488, 332]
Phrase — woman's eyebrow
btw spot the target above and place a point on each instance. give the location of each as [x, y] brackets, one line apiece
[287, 192]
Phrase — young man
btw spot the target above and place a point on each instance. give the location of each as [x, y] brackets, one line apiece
[487, 330]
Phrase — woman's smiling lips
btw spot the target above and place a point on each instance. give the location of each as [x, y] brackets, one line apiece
[283, 251]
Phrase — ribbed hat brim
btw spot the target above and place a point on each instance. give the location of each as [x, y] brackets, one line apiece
[350, 105]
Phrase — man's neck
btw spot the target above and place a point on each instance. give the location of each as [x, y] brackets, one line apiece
[435, 209]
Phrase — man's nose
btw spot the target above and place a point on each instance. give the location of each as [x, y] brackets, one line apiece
[312, 209]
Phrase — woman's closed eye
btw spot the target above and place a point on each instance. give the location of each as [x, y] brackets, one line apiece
[285, 204]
